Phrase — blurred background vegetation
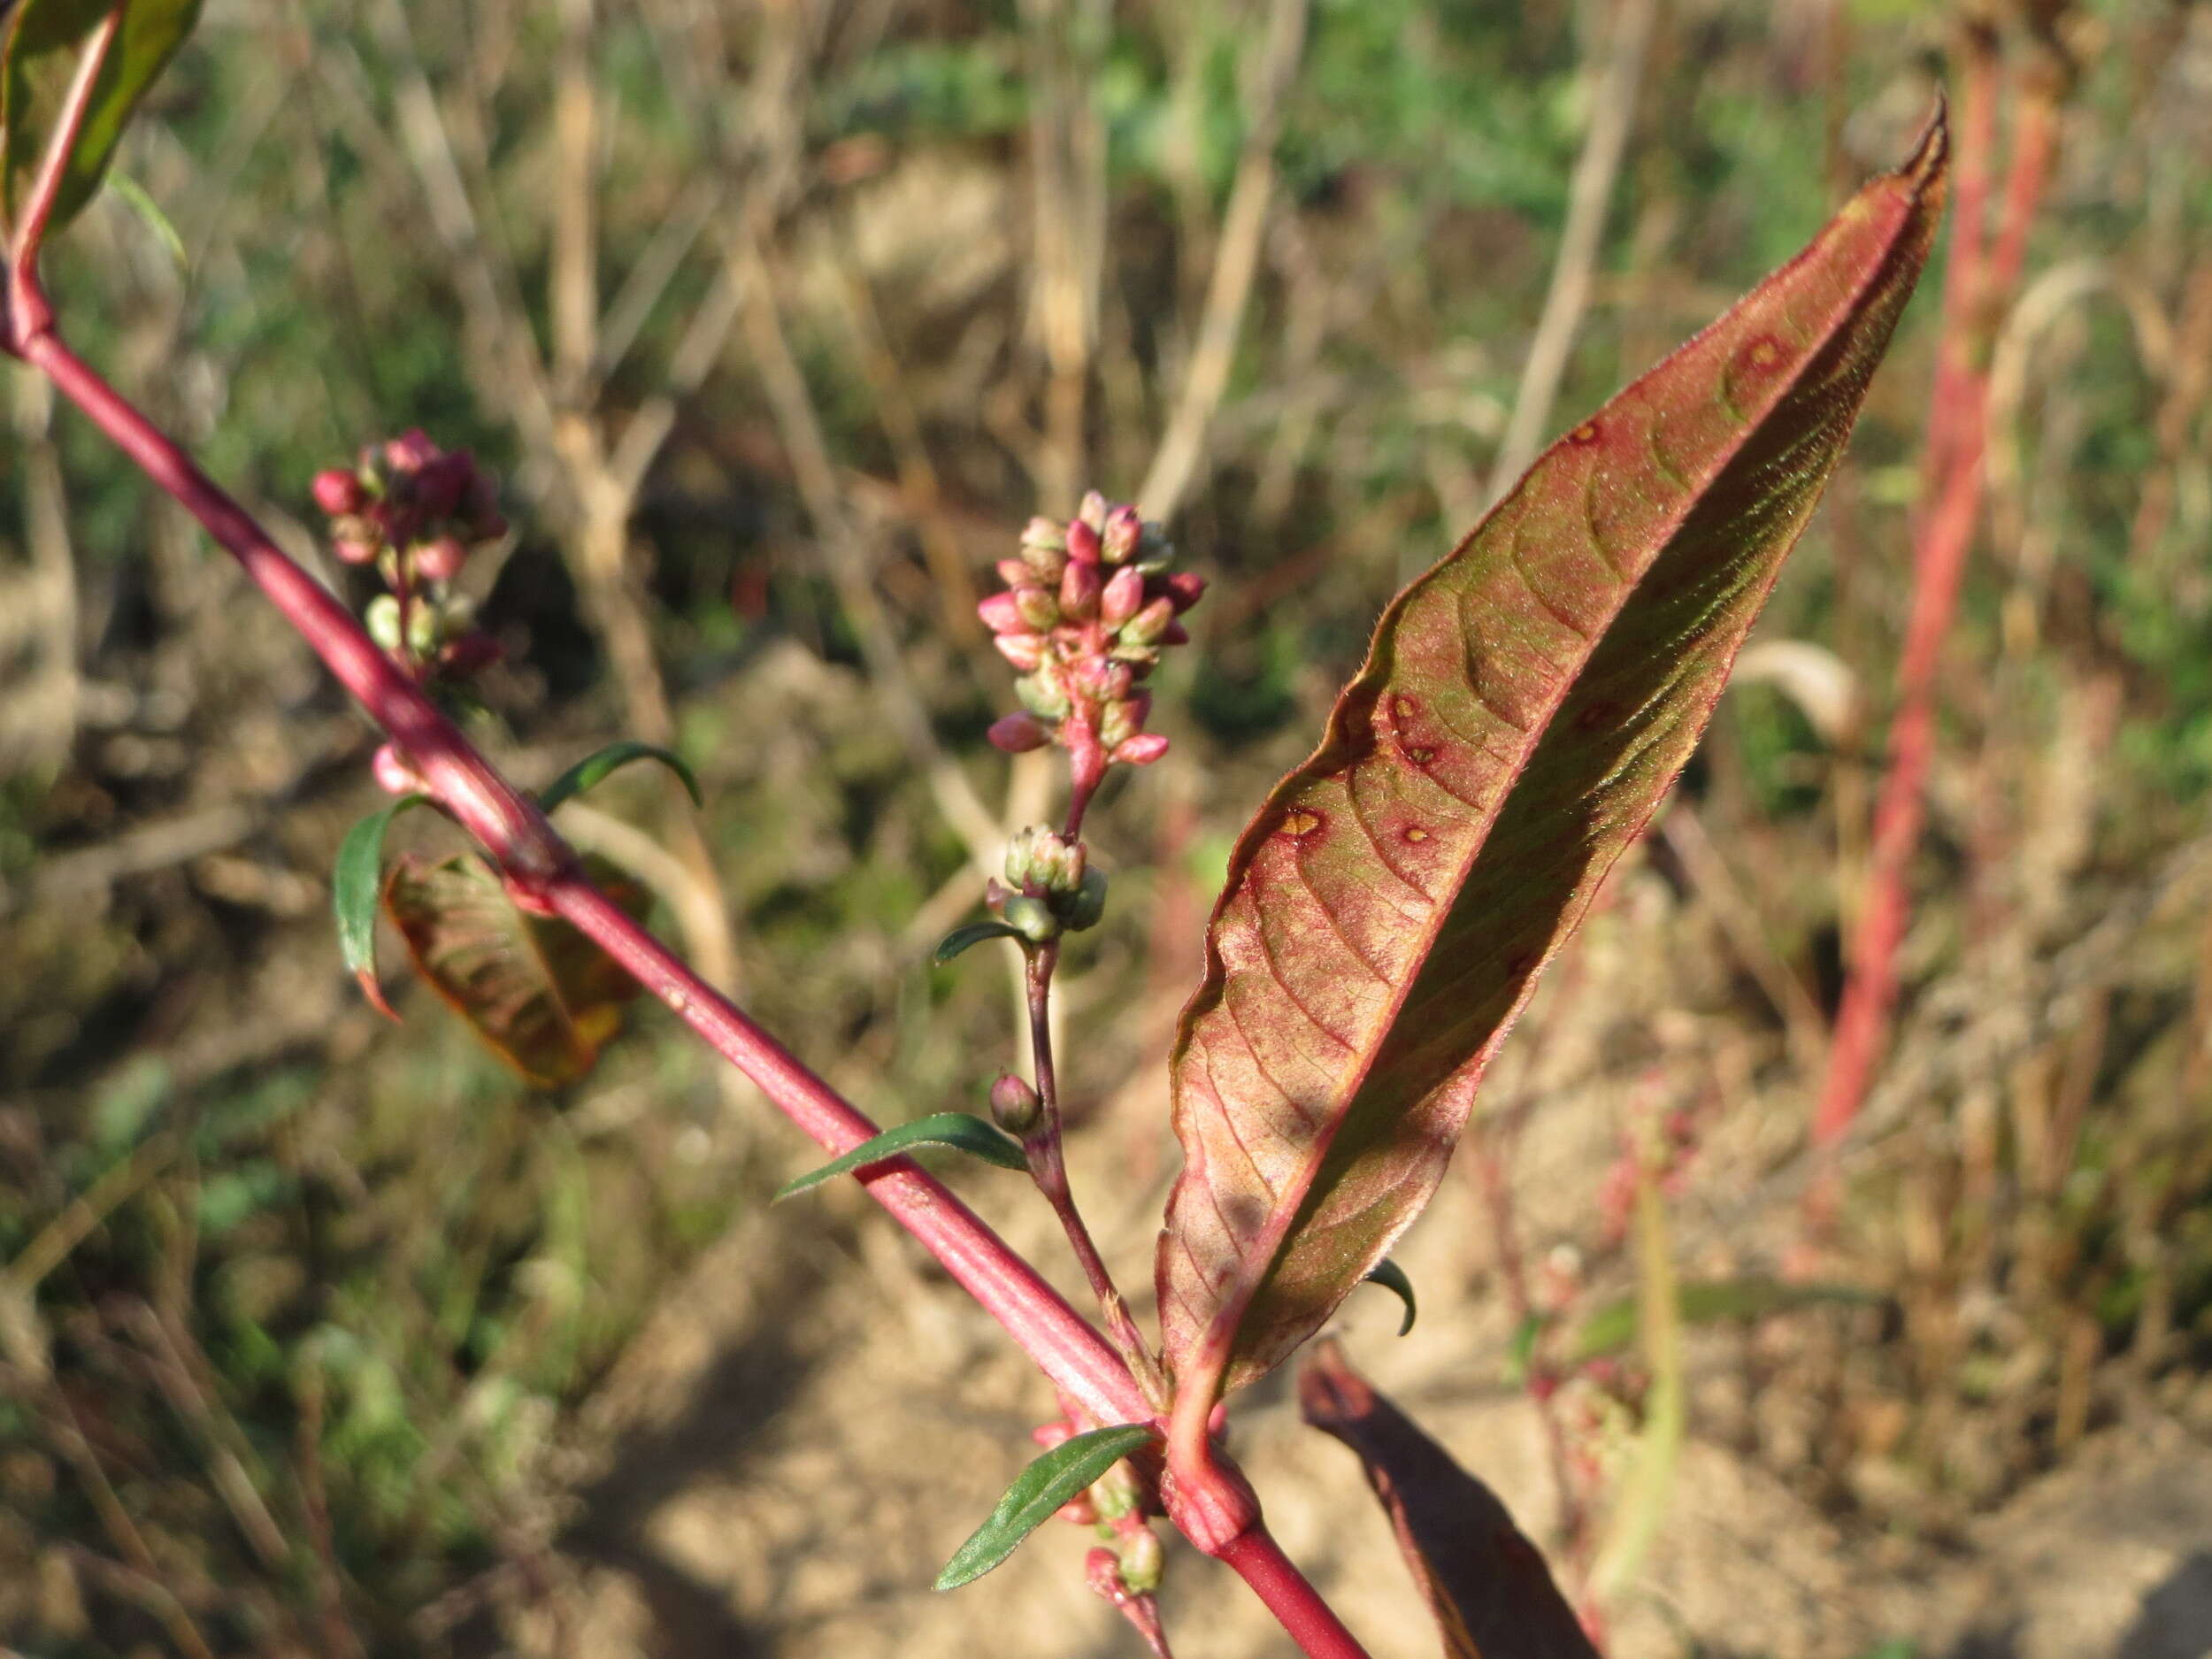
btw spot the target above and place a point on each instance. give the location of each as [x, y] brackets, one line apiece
[779, 320]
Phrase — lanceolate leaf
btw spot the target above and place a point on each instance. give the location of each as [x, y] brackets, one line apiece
[960, 1131]
[1493, 1596]
[1521, 712]
[540, 994]
[587, 772]
[354, 886]
[38, 53]
[964, 938]
[1040, 1489]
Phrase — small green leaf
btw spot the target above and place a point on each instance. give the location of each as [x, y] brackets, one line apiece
[957, 1130]
[1393, 1279]
[356, 885]
[974, 933]
[1042, 1488]
[38, 56]
[590, 770]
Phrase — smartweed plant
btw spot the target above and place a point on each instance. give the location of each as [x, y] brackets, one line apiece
[1522, 711]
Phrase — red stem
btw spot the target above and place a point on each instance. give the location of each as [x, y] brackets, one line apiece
[1259, 1560]
[1943, 537]
[542, 871]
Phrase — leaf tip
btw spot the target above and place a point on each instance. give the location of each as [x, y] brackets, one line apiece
[1931, 151]
[370, 989]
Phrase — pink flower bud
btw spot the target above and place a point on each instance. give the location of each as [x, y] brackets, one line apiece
[1092, 509]
[410, 451]
[1018, 733]
[1013, 572]
[337, 490]
[1001, 615]
[1175, 635]
[354, 541]
[1121, 533]
[1026, 651]
[1101, 1570]
[1140, 707]
[1141, 750]
[1080, 589]
[440, 560]
[1123, 598]
[1045, 535]
[393, 774]
[1185, 587]
[1083, 542]
[1079, 1511]
[1051, 1435]
[1117, 680]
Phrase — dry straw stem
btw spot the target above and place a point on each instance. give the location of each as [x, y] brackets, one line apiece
[1236, 260]
[1067, 159]
[1589, 194]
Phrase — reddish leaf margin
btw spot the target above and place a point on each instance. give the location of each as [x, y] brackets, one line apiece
[1523, 709]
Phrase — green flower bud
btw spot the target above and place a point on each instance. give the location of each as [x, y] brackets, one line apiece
[1015, 1106]
[423, 627]
[1036, 607]
[1034, 920]
[1042, 695]
[1082, 908]
[1115, 1492]
[1149, 623]
[1142, 1562]
[382, 619]
[1116, 725]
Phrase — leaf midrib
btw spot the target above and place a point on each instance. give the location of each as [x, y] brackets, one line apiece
[1216, 1346]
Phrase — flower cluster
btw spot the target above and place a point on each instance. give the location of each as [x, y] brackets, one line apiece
[1050, 887]
[416, 511]
[1088, 609]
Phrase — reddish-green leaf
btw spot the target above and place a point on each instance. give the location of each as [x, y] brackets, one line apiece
[542, 996]
[1493, 1595]
[1521, 712]
[39, 47]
